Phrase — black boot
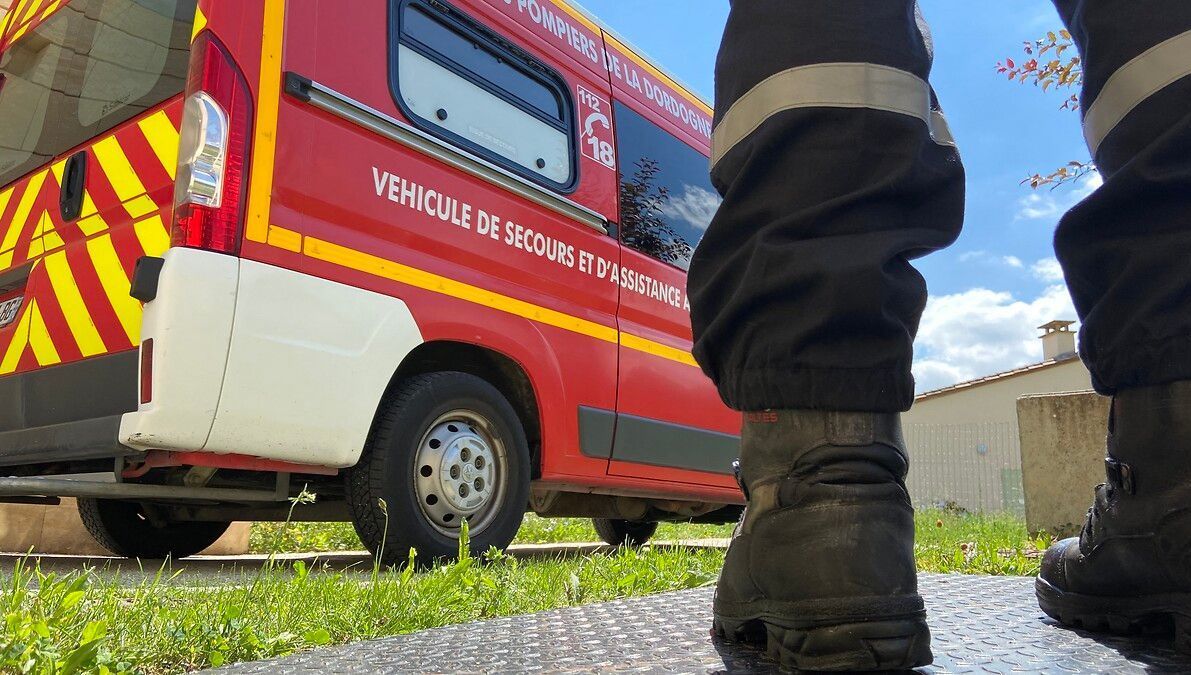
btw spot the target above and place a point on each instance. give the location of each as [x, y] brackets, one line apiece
[822, 563]
[1131, 565]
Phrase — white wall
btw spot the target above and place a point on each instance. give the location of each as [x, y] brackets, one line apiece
[964, 443]
[996, 401]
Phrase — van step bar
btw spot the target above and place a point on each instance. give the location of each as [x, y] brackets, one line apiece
[56, 487]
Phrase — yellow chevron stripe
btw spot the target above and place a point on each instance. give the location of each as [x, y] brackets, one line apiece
[200, 22]
[346, 257]
[29, 9]
[20, 217]
[53, 7]
[163, 138]
[264, 149]
[31, 331]
[20, 32]
[123, 178]
[153, 235]
[116, 284]
[4, 21]
[90, 222]
[5, 197]
[66, 289]
[45, 237]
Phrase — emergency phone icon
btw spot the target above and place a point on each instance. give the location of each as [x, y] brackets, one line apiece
[596, 139]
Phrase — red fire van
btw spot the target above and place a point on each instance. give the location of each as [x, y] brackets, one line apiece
[424, 260]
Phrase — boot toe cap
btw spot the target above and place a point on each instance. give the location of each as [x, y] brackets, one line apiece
[1054, 562]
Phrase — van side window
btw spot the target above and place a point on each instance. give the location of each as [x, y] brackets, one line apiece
[666, 196]
[456, 80]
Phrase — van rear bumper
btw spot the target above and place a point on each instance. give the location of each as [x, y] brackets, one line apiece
[67, 413]
[258, 360]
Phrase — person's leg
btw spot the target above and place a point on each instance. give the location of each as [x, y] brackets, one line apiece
[837, 169]
[1125, 251]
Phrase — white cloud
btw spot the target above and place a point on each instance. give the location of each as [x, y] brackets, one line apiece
[988, 258]
[1047, 204]
[979, 332]
[1047, 270]
[696, 206]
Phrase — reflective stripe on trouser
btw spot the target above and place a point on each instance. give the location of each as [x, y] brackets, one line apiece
[837, 169]
[1124, 249]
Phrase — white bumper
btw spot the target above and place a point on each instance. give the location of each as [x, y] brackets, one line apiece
[257, 360]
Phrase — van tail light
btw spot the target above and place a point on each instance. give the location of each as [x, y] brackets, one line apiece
[213, 154]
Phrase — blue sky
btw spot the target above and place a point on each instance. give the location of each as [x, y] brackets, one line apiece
[999, 281]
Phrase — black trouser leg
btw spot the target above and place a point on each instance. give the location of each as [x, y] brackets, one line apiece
[837, 170]
[1126, 250]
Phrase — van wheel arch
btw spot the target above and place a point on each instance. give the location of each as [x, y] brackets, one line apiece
[501, 371]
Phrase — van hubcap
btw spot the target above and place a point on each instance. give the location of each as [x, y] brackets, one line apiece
[459, 472]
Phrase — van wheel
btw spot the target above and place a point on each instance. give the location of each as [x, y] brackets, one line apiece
[624, 532]
[445, 448]
[125, 529]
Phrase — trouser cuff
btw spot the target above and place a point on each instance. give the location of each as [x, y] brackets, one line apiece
[794, 388]
[1145, 364]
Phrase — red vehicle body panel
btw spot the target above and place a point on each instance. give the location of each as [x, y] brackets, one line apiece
[319, 204]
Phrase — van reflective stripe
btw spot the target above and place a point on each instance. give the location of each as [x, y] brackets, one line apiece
[153, 236]
[1159, 67]
[74, 308]
[115, 284]
[268, 104]
[200, 22]
[410, 276]
[159, 131]
[32, 332]
[123, 178]
[21, 217]
[829, 85]
[5, 198]
[45, 237]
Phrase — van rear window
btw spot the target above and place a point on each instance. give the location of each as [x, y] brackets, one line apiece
[91, 66]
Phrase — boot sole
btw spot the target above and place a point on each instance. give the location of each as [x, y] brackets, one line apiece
[895, 643]
[1162, 614]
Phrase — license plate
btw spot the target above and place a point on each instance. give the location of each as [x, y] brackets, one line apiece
[9, 310]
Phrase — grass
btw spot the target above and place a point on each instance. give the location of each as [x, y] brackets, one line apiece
[88, 621]
[269, 538]
[945, 540]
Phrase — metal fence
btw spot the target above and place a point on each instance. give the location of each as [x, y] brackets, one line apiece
[976, 467]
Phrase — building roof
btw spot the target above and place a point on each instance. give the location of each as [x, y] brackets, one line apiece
[997, 377]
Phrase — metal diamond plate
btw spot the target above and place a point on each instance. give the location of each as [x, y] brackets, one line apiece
[979, 625]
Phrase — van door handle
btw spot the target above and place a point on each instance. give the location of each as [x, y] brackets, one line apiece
[74, 186]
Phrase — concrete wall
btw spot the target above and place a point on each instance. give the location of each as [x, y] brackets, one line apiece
[59, 530]
[1062, 454]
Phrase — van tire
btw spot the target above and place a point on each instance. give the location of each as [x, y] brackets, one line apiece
[122, 528]
[624, 532]
[386, 491]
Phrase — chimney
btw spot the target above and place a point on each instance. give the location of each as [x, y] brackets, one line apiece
[1058, 341]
